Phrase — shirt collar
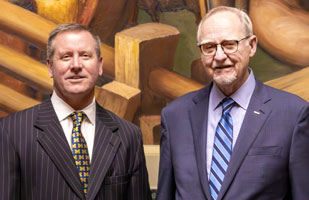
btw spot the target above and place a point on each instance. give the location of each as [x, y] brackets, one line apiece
[242, 96]
[63, 110]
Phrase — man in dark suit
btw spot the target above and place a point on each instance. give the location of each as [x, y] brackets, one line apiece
[236, 139]
[69, 147]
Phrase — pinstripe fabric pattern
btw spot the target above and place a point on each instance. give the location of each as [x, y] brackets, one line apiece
[36, 161]
[222, 149]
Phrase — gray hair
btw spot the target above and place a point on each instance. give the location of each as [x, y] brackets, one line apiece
[243, 17]
[69, 27]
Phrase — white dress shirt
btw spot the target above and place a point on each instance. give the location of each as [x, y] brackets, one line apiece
[242, 98]
[63, 111]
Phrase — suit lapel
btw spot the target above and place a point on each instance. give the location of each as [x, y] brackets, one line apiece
[198, 115]
[256, 115]
[53, 141]
[106, 144]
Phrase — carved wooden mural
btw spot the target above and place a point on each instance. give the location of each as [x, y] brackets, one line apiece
[139, 79]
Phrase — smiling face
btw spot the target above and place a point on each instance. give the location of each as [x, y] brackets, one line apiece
[75, 67]
[228, 71]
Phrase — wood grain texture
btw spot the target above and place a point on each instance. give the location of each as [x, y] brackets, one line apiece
[25, 68]
[25, 24]
[35, 29]
[12, 101]
[170, 84]
[138, 51]
[130, 49]
[119, 98]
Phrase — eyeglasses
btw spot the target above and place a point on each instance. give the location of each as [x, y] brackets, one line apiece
[228, 46]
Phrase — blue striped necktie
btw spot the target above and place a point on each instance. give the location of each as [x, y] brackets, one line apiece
[222, 149]
[80, 149]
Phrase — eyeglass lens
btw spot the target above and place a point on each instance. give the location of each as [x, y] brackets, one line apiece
[227, 46]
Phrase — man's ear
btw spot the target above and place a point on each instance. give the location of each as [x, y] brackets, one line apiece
[253, 45]
[101, 66]
[49, 67]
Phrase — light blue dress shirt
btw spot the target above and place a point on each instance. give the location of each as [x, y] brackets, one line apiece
[242, 98]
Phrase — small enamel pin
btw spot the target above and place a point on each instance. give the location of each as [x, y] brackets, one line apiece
[256, 112]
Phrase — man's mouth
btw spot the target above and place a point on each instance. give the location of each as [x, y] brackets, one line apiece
[223, 67]
[75, 77]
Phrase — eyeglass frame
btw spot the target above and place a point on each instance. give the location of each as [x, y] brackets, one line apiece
[220, 44]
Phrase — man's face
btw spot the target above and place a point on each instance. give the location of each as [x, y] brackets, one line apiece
[228, 71]
[75, 66]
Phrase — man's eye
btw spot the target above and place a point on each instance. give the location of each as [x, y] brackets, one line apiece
[86, 55]
[209, 46]
[65, 57]
[229, 44]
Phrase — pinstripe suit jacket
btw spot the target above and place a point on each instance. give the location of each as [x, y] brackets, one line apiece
[36, 161]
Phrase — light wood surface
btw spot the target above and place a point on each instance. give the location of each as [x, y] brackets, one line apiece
[25, 68]
[150, 124]
[171, 84]
[152, 154]
[131, 50]
[12, 101]
[296, 83]
[138, 51]
[119, 98]
[108, 55]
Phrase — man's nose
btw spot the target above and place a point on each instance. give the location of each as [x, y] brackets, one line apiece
[76, 63]
[220, 54]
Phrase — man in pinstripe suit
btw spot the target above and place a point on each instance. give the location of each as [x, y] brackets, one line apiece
[36, 160]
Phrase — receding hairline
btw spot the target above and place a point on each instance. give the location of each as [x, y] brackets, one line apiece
[243, 17]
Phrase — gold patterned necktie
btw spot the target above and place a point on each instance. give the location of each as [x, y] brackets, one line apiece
[80, 149]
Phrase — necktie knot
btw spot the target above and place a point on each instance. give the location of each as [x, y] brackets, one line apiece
[227, 105]
[77, 118]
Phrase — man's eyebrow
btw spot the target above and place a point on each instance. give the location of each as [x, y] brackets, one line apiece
[206, 41]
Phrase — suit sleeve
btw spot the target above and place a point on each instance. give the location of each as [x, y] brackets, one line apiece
[299, 158]
[9, 170]
[139, 185]
[166, 182]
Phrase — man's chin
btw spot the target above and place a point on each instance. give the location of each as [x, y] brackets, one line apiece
[225, 80]
[78, 92]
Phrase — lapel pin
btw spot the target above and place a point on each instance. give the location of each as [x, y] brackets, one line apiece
[256, 112]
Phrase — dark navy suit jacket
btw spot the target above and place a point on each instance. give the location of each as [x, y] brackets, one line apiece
[270, 160]
[36, 161]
